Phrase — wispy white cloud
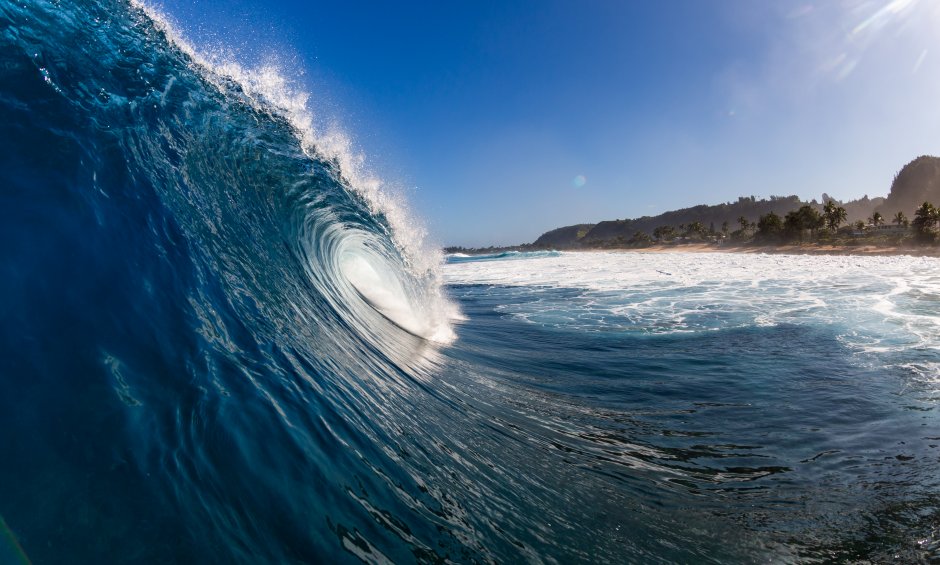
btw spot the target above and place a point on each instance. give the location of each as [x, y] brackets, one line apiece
[920, 61]
[843, 91]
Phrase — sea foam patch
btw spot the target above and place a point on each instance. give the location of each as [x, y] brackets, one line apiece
[876, 304]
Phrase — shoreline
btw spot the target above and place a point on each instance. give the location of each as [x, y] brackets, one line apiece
[794, 249]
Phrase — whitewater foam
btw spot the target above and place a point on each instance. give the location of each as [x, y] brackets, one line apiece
[881, 303]
[377, 285]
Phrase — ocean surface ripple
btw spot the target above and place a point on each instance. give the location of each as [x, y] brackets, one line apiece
[222, 342]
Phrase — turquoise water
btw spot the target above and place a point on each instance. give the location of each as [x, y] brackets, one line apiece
[223, 343]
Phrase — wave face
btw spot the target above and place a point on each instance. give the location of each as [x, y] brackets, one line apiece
[210, 319]
[221, 343]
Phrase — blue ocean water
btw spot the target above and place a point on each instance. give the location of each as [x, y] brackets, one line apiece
[220, 346]
[500, 256]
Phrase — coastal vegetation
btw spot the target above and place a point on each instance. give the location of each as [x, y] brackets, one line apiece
[774, 221]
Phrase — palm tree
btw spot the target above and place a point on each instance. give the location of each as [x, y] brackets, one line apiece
[664, 232]
[876, 219]
[834, 215]
[806, 218]
[900, 219]
[640, 239]
[695, 229]
[925, 218]
[769, 227]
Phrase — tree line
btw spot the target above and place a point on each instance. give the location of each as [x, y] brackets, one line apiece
[805, 223]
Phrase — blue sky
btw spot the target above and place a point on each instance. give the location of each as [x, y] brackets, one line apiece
[501, 120]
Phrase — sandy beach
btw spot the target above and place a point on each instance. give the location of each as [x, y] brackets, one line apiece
[795, 249]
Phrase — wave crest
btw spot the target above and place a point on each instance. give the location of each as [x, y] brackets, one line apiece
[408, 269]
